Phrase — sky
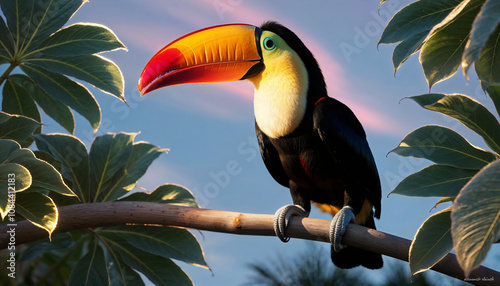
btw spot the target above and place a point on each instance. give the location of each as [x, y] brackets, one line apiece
[209, 128]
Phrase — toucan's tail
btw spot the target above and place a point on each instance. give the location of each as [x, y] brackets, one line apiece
[350, 257]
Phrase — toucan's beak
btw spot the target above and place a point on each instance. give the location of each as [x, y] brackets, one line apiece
[215, 54]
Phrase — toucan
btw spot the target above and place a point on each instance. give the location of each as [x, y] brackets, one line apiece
[310, 143]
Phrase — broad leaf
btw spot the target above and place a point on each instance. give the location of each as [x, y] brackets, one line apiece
[13, 178]
[91, 269]
[443, 146]
[4, 117]
[81, 39]
[72, 154]
[469, 112]
[39, 209]
[107, 155]
[407, 48]
[167, 242]
[160, 270]
[17, 100]
[494, 93]
[120, 274]
[6, 147]
[441, 54]
[415, 18]
[435, 181]
[32, 21]
[486, 67]
[475, 217]
[444, 200]
[6, 43]
[43, 174]
[431, 243]
[52, 107]
[143, 154]
[68, 92]
[17, 127]
[96, 70]
[168, 194]
[58, 242]
[485, 23]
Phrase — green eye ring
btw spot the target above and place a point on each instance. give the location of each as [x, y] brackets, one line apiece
[269, 43]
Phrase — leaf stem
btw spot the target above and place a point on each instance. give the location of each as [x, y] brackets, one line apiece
[7, 72]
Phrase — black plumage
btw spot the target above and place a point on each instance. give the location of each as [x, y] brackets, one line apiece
[326, 159]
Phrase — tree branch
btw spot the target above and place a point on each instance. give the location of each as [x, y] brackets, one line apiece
[91, 215]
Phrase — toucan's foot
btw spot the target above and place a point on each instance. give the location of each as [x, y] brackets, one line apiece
[339, 226]
[282, 217]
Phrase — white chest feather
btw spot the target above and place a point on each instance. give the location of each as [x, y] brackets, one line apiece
[281, 95]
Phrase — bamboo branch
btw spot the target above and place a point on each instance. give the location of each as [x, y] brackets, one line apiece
[92, 215]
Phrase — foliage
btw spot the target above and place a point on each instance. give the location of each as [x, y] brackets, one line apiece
[61, 171]
[449, 35]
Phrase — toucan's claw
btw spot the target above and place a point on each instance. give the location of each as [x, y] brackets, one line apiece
[339, 226]
[282, 217]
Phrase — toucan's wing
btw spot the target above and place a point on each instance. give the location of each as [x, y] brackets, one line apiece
[271, 158]
[340, 130]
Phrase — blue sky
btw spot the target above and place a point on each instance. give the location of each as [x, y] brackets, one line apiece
[209, 128]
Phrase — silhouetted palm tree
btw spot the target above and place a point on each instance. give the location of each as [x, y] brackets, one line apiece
[313, 267]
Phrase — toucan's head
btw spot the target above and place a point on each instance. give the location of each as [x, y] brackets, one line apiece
[228, 53]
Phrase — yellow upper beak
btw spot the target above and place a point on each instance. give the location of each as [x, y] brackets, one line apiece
[215, 54]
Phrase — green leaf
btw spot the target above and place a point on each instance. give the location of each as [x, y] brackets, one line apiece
[107, 155]
[17, 127]
[444, 200]
[60, 241]
[43, 174]
[91, 269]
[472, 114]
[32, 21]
[68, 92]
[407, 48]
[168, 194]
[143, 154]
[476, 217]
[72, 154]
[4, 117]
[6, 42]
[485, 23]
[443, 146]
[167, 242]
[486, 67]
[120, 274]
[39, 209]
[96, 70]
[13, 177]
[435, 181]
[16, 100]
[415, 18]
[431, 243]
[160, 270]
[6, 147]
[52, 107]
[494, 93]
[81, 39]
[441, 53]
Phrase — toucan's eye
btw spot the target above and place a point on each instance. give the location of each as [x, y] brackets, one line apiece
[269, 43]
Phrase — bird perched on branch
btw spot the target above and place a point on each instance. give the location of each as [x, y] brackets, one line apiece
[310, 143]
